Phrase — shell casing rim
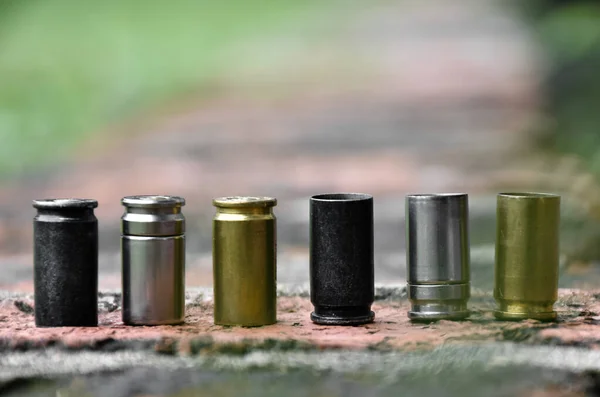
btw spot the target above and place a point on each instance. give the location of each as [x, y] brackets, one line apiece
[339, 320]
[435, 196]
[527, 195]
[513, 316]
[341, 197]
[432, 302]
[457, 311]
[65, 203]
[142, 323]
[518, 310]
[244, 202]
[152, 201]
[244, 324]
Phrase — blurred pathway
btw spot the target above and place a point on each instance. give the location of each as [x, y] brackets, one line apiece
[402, 97]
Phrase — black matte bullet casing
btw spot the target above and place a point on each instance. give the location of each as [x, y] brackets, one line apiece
[341, 258]
[65, 233]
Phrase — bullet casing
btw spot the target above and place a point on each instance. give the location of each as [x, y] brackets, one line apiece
[66, 263]
[527, 256]
[245, 261]
[153, 260]
[438, 258]
[341, 258]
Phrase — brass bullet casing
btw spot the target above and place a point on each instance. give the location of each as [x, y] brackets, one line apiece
[245, 261]
[527, 253]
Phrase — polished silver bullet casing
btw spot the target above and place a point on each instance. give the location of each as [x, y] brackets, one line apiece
[153, 255]
[437, 252]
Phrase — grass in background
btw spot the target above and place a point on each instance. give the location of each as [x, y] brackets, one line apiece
[68, 67]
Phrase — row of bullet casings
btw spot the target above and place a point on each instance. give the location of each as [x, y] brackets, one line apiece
[526, 264]
[341, 259]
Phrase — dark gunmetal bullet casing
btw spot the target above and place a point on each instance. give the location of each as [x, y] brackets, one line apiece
[245, 261]
[65, 233]
[341, 258]
[153, 260]
[527, 256]
[438, 258]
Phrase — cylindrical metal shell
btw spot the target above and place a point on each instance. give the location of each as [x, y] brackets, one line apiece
[437, 255]
[65, 233]
[341, 258]
[153, 259]
[245, 261]
[527, 256]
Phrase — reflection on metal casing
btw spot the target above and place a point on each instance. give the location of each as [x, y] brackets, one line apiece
[153, 259]
[245, 261]
[527, 256]
[65, 233]
[341, 258]
[437, 251]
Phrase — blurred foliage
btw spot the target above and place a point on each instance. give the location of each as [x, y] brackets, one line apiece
[569, 32]
[69, 68]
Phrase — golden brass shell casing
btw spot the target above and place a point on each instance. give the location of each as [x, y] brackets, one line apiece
[244, 261]
[527, 255]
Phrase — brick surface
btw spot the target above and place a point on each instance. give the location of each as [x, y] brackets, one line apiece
[392, 330]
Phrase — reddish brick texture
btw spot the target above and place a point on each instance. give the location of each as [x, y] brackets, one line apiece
[578, 312]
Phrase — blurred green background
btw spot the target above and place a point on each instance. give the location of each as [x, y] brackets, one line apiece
[569, 33]
[70, 68]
